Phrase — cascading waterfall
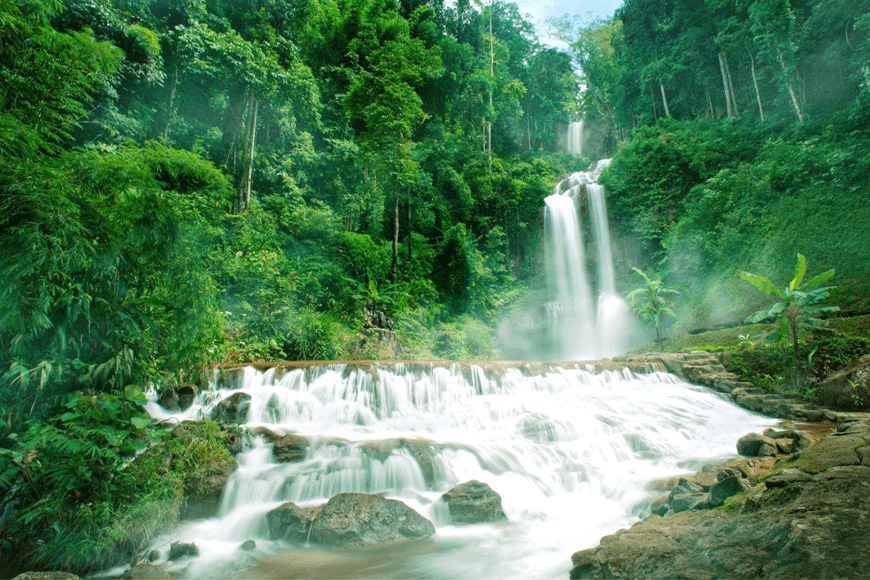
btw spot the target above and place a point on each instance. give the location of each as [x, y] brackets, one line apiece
[580, 329]
[570, 451]
[575, 138]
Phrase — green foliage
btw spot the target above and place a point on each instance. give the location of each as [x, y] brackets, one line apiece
[800, 305]
[313, 336]
[67, 473]
[83, 502]
[650, 302]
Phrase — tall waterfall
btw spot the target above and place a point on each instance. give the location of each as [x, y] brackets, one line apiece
[570, 451]
[575, 138]
[581, 328]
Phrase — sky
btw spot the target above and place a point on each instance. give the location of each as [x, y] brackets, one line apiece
[542, 10]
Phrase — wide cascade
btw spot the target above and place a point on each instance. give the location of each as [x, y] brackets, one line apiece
[582, 327]
[571, 451]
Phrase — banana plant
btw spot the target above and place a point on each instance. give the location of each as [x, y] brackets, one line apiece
[799, 305]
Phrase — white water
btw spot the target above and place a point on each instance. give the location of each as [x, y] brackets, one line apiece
[575, 138]
[583, 328]
[570, 452]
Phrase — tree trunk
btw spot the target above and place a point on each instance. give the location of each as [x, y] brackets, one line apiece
[410, 232]
[794, 99]
[394, 268]
[162, 130]
[755, 84]
[665, 100]
[248, 152]
[728, 106]
[730, 85]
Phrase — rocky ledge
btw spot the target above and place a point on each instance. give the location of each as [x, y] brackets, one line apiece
[798, 508]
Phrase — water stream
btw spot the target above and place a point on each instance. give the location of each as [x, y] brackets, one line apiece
[571, 452]
[588, 318]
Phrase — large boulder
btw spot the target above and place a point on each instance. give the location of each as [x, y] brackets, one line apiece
[474, 502]
[233, 409]
[357, 519]
[204, 494]
[755, 445]
[289, 448]
[290, 522]
[849, 388]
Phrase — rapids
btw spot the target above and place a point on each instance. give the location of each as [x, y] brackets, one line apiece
[571, 452]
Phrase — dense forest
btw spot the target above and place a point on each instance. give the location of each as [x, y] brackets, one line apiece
[190, 182]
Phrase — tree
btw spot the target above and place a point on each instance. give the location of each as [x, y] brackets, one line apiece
[382, 98]
[650, 302]
[800, 305]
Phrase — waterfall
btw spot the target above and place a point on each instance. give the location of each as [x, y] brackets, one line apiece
[575, 138]
[570, 451]
[579, 329]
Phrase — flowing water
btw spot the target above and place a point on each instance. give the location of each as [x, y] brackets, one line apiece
[571, 452]
[575, 139]
[583, 327]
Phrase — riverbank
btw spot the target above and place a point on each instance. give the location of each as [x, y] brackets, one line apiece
[801, 510]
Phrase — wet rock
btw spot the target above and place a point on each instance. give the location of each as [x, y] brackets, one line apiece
[755, 445]
[204, 498]
[178, 550]
[290, 448]
[290, 522]
[726, 488]
[808, 530]
[186, 393]
[46, 576]
[474, 502]
[355, 519]
[248, 546]
[233, 409]
[146, 572]
[168, 399]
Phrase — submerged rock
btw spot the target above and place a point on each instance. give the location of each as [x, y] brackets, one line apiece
[46, 576]
[474, 502]
[356, 519]
[146, 572]
[178, 550]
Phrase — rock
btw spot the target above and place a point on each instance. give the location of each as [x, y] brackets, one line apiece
[289, 448]
[473, 502]
[178, 550]
[204, 499]
[355, 519]
[835, 450]
[817, 528]
[688, 501]
[168, 399]
[46, 576]
[660, 506]
[849, 388]
[248, 546]
[146, 572]
[726, 488]
[755, 445]
[233, 409]
[186, 393]
[290, 522]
